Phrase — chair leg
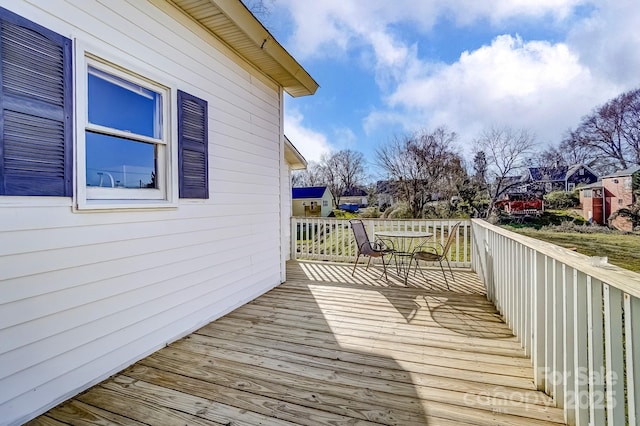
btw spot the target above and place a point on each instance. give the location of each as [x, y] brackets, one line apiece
[450, 271]
[444, 274]
[384, 269]
[354, 265]
[368, 262]
[415, 271]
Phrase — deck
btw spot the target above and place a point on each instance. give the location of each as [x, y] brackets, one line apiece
[326, 348]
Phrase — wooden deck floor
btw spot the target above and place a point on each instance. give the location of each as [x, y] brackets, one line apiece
[329, 349]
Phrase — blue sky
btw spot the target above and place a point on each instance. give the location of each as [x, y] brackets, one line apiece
[388, 68]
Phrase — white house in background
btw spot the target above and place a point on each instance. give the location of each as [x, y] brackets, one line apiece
[312, 201]
[295, 161]
[139, 137]
[355, 195]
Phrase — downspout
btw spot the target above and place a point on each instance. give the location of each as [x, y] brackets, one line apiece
[604, 207]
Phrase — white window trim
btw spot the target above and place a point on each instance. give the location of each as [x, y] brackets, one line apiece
[166, 196]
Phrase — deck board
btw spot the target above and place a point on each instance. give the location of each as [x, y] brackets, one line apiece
[328, 348]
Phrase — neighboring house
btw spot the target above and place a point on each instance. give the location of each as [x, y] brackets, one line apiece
[543, 180]
[355, 196]
[312, 201]
[386, 193]
[143, 182]
[295, 161]
[614, 192]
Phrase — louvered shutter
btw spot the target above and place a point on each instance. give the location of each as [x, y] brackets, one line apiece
[192, 146]
[35, 110]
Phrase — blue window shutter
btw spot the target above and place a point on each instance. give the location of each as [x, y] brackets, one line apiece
[193, 144]
[35, 109]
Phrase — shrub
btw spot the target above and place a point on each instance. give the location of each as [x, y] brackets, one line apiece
[370, 212]
[560, 200]
[398, 211]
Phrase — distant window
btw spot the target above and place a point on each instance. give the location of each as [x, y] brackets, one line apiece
[548, 187]
[587, 193]
[581, 172]
[325, 203]
[571, 186]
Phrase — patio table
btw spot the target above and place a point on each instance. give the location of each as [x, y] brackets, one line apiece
[405, 243]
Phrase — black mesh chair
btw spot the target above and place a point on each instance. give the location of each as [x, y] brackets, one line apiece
[433, 254]
[378, 248]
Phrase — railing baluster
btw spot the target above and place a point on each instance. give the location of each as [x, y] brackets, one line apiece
[568, 344]
[580, 364]
[596, 351]
[614, 378]
[538, 302]
[632, 348]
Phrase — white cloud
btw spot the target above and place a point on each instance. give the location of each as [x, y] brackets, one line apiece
[542, 85]
[329, 28]
[310, 143]
[537, 85]
[609, 42]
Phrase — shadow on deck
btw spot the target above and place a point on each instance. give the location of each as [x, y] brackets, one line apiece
[326, 348]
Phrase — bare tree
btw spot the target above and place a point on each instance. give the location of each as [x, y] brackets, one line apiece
[338, 171]
[506, 151]
[611, 132]
[421, 166]
[311, 176]
[342, 170]
[261, 9]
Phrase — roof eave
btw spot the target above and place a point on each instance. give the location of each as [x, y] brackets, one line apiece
[295, 160]
[291, 75]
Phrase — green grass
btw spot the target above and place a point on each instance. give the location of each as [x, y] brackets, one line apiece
[622, 250]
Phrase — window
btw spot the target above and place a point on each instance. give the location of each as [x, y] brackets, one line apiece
[325, 203]
[587, 193]
[126, 155]
[36, 109]
[126, 135]
[571, 186]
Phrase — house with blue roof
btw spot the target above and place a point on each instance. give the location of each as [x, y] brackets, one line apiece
[312, 201]
[542, 180]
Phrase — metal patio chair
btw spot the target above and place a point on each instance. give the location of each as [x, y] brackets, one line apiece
[432, 254]
[378, 248]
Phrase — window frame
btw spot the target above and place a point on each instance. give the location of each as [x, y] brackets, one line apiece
[165, 196]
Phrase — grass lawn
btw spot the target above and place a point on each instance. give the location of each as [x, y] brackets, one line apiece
[622, 250]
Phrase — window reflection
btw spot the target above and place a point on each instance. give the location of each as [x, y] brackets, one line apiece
[114, 162]
[122, 105]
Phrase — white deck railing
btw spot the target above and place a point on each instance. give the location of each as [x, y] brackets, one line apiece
[332, 239]
[577, 317]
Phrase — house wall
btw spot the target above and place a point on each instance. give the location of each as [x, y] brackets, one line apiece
[619, 195]
[83, 295]
[300, 203]
[592, 206]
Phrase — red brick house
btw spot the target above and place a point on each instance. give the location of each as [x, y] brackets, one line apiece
[614, 192]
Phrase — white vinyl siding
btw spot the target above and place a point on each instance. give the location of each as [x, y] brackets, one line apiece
[86, 294]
